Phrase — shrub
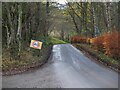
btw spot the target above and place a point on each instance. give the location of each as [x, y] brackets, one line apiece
[97, 43]
[78, 39]
[109, 43]
[88, 40]
[112, 44]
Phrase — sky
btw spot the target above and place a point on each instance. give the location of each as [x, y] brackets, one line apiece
[61, 1]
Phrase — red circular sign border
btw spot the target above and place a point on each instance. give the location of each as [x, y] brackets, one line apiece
[37, 45]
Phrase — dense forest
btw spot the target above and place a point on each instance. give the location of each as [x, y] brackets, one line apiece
[24, 21]
[92, 19]
[98, 21]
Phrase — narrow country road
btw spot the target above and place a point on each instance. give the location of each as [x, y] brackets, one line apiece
[67, 68]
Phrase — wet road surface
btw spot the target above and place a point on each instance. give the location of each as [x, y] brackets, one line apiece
[67, 68]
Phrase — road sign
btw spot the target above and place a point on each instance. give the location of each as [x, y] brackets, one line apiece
[36, 44]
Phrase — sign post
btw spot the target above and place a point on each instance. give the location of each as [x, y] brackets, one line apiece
[36, 44]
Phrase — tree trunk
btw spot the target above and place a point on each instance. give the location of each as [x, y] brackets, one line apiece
[19, 38]
[93, 20]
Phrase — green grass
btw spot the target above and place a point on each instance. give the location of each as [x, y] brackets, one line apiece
[110, 60]
[53, 41]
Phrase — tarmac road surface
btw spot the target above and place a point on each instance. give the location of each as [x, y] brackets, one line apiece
[67, 68]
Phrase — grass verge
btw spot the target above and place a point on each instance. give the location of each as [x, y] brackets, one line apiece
[53, 41]
[99, 56]
[29, 59]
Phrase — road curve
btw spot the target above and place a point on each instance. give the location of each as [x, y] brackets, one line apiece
[67, 68]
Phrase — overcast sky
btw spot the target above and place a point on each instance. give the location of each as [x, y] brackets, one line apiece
[62, 1]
